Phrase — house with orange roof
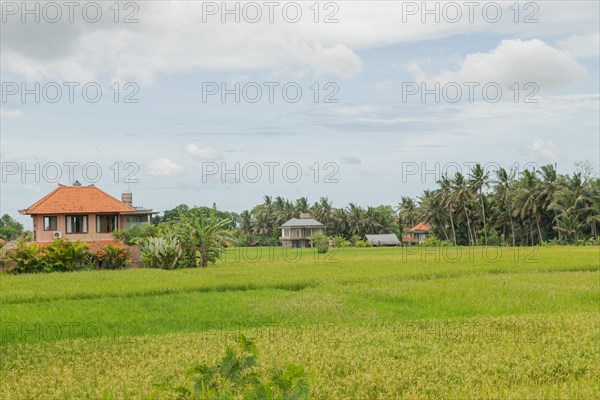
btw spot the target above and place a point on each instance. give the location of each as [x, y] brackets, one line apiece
[83, 212]
[417, 234]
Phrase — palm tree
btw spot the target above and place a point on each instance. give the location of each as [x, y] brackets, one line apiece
[526, 204]
[355, 218]
[246, 221]
[407, 212]
[370, 221]
[203, 236]
[478, 180]
[432, 210]
[262, 224]
[462, 195]
[322, 211]
[301, 205]
[549, 187]
[503, 191]
[446, 199]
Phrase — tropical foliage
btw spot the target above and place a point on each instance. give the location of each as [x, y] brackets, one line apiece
[236, 376]
[482, 207]
[63, 255]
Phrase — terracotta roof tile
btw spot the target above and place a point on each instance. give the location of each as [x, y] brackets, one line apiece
[76, 199]
[420, 228]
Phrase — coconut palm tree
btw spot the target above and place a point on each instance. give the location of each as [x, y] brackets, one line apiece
[504, 193]
[355, 219]
[526, 204]
[446, 200]
[432, 210]
[478, 180]
[322, 211]
[407, 213]
[301, 205]
[462, 195]
[246, 221]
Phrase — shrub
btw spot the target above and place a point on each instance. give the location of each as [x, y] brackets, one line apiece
[61, 255]
[163, 252]
[321, 242]
[66, 255]
[340, 241]
[354, 239]
[433, 241]
[27, 258]
[112, 256]
[361, 243]
[135, 234]
[236, 376]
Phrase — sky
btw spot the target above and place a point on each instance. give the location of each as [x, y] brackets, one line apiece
[209, 102]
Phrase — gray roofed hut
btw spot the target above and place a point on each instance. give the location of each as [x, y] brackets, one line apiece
[388, 239]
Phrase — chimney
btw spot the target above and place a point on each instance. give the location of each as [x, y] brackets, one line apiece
[305, 216]
[127, 198]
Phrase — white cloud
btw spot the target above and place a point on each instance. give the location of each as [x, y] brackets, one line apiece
[163, 167]
[32, 188]
[11, 114]
[517, 61]
[351, 160]
[204, 153]
[581, 46]
[544, 150]
[384, 85]
[171, 37]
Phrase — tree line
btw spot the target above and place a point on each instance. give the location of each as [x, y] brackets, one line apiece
[536, 206]
[533, 207]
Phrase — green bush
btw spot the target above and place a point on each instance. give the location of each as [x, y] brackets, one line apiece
[61, 255]
[321, 242]
[432, 241]
[135, 234]
[354, 239]
[27, 258]
[163, 252]
[237, 376]
[362, 243]
[112, 256]
[66, 255]
[340, 241]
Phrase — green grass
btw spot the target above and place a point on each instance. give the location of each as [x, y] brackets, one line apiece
[367, 323]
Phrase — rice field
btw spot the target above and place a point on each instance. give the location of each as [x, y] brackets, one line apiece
[372, 323]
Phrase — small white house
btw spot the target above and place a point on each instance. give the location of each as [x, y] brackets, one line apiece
[298, 232]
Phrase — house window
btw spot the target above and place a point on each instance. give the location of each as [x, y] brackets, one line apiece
[106, 223]
[50, 223]
[77, 223]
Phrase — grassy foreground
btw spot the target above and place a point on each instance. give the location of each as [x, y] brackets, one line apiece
[366, 323]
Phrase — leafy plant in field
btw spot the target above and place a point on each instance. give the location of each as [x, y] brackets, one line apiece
[65, 255]
[354, 239]
[203, 236]
[321, 242]
[162, 252]
[432, 241]
[61, 255]
[361, 243]
[27, 258]
[236, 376]
[340, 241]
[112, 256]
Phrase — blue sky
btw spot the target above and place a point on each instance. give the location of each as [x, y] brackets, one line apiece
[370, 140]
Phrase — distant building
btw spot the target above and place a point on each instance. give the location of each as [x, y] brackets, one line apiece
[417, 234]
[388, 239]
[298, 232]
[83, 212]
